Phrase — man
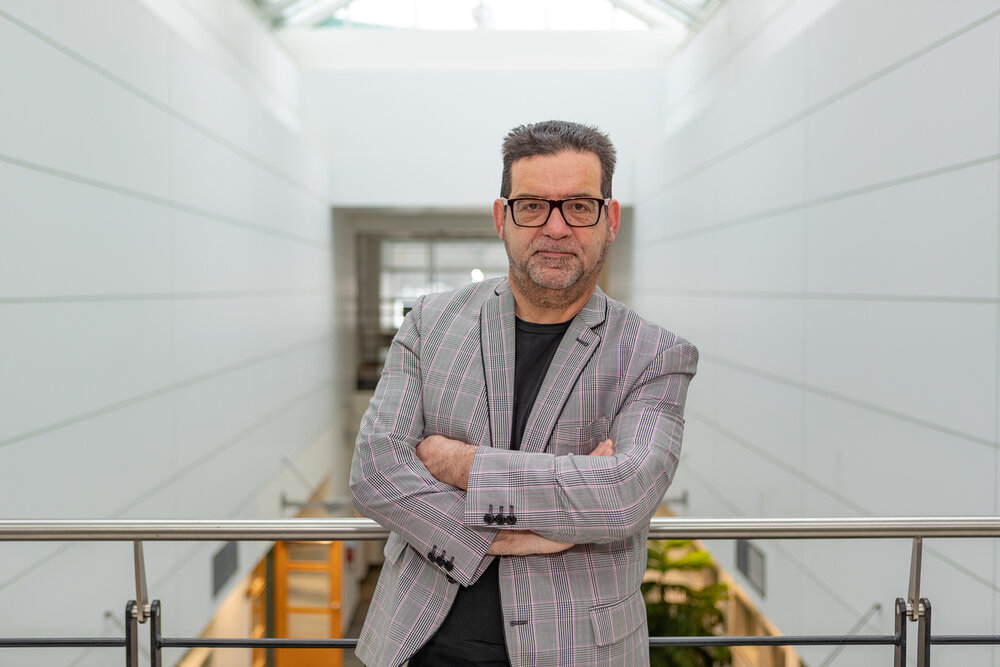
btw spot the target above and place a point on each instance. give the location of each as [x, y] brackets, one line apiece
[522, 434]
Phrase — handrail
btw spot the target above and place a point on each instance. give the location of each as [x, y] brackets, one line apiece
[108, 530]
[914, 608]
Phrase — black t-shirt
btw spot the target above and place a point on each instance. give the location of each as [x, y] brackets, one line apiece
[472, 633]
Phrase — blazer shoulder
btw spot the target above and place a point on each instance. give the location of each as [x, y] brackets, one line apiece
[457, 306]
[623, 323]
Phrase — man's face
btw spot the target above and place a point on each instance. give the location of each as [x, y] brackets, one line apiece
[556, 256]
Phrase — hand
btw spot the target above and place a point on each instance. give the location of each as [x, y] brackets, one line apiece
[606, 448]
[524, 543]
[448, 460]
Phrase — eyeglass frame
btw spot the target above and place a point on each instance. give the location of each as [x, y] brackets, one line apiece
[554, 204]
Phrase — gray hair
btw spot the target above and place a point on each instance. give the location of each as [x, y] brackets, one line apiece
[555, 136]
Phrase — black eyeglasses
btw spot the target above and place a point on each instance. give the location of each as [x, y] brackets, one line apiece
[533, 212]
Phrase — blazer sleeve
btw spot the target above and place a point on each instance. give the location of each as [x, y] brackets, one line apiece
[390, 485]
[591, 499]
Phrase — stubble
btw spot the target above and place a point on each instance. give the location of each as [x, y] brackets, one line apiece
[554, 283]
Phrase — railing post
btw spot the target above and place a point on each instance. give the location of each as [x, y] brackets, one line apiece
[155, 657]
[131, 635]
[141, 611]
[899, 653]
[924, 634]
[913, 595]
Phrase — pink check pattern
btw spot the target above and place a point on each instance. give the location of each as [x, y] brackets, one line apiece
[450, 371]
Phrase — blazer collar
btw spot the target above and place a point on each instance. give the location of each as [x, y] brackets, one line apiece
[576, 348]
[592, 315]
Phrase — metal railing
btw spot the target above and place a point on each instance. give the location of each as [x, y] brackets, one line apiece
[911, 609]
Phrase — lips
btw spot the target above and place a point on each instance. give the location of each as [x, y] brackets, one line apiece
[554, 252]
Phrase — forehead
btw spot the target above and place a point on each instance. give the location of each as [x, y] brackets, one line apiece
[562, 174]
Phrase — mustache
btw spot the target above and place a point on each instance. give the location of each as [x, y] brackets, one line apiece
[548, 246]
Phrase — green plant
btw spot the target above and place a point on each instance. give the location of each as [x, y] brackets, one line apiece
[676, 609]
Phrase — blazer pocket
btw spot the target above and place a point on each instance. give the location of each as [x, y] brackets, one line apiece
[613, 622]
[394, 546]
[598, 431]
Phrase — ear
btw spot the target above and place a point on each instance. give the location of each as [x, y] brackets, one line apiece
[614, 219]
[499, 212]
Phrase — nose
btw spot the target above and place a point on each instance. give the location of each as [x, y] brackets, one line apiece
[556, 226]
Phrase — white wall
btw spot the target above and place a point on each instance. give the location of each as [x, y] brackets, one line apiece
[432, 139]
[820, 216]
[165, 299]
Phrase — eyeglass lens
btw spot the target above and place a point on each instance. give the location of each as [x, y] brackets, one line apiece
[534, 212]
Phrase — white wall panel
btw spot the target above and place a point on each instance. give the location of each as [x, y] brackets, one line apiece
[87, 482]
[691, 206]
[292, 266]
[211, 256]
[433, 139]
[891, 467]
[46, 252]
[61, 114]
[652, 165]
[735, 469]
[228, 36]
[211, 413]
[139, 56]
[221, 107]
[759, 103]
[198, 495]
[215, 180]
[309, 313]
[213, 333]
[933, 362]
[766, 175]
[880, 35]
[165, 267]
[763, 255]
[686, 262]
[900, 128]
[740, 38]
[765, 334]
[84, 599]
[173, 72]
[879, 574]
[77, 357]
[768, 416]
[962, 601]
[829, 173]
[941, 235]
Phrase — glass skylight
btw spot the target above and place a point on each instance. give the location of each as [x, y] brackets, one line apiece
[464, 15]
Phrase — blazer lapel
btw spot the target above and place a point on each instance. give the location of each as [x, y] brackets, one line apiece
[575, 350]
[497, 332]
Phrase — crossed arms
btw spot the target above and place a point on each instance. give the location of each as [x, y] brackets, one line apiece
[434, 491]
[450, 461]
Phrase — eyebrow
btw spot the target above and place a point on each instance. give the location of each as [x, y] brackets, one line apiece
[576, 196]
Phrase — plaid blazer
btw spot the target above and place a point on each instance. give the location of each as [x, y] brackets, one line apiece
[450, 372]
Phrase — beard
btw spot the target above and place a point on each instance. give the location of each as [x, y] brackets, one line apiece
[555, 282]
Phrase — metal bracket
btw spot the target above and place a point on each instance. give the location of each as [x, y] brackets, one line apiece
[140, 611]
[914, 605]
[899, 651]
[924, 634]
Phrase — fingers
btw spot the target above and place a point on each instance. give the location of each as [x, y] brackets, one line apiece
[606, 448]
